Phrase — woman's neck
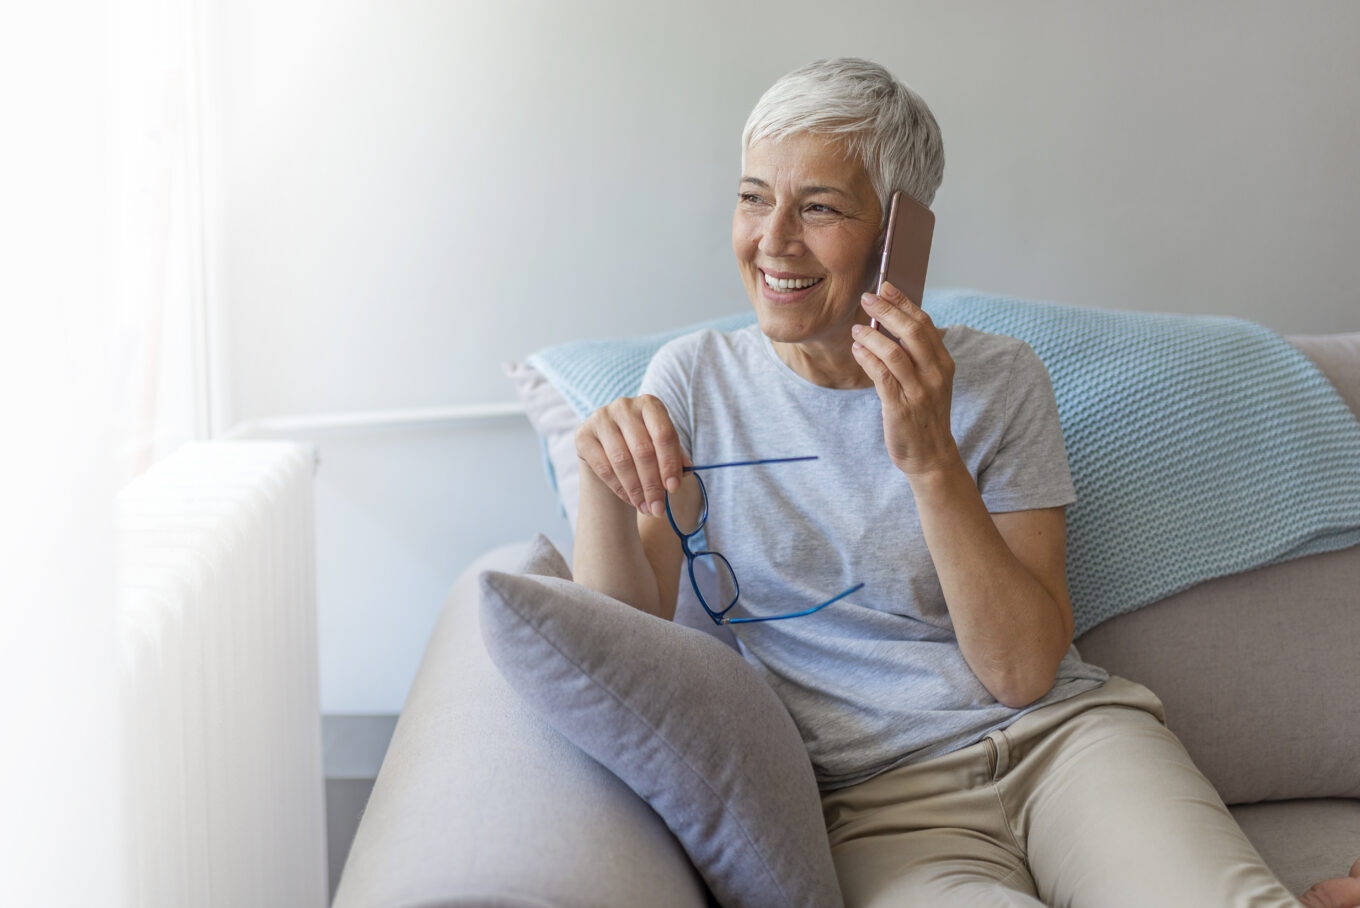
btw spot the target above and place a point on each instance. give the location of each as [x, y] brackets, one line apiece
[827, 364]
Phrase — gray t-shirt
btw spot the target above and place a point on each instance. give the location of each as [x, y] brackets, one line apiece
[876, 680]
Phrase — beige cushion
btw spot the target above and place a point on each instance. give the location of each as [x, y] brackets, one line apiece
[1258, 675]
[1338, 356]
[1304, 842]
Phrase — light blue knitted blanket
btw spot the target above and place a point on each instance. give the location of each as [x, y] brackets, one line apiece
[1199, 446]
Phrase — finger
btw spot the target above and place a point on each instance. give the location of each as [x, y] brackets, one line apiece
[910, 307]
[934, 365]
[645, 463]
[893, 390]
[893, 308]
[914, 329]
[596, 459]
[618, 452]
[895, 296]
[872, 365]
[891, 358]
[670, 458]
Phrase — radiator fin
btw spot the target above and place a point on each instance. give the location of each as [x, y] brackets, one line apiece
[219, 686]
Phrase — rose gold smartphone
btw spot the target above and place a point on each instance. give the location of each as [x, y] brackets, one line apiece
[906, 248]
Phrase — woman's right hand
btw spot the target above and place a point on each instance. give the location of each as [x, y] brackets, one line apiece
[632, 446]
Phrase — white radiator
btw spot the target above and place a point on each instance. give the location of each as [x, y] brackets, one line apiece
[219, 685]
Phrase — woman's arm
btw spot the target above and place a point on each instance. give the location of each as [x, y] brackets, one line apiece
[608, 555]
[1003, 575]
[625, 548]
[1004, 578]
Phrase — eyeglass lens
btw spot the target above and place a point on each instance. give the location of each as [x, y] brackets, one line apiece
[689, 527]
[714, 579]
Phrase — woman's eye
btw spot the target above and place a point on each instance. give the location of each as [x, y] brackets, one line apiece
[822, 209]
[749, 198]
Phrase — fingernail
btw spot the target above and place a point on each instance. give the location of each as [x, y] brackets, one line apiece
[871, 302]
[857, 330]
[672, 484]
[658, 509]
[890, 287]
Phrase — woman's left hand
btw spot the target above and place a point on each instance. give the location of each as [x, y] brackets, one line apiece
[914, 377]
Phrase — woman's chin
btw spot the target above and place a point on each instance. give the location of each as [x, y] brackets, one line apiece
[781, 325]
[786, 324]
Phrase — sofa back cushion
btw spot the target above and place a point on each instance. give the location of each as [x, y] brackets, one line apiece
[1257, 669]
[1338, 356]
[1257, 672]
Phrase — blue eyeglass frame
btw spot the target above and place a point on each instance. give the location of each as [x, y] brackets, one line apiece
[720, 617]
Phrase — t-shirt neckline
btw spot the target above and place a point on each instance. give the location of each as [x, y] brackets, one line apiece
[791, 375]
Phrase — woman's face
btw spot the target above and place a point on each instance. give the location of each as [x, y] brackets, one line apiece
[806, 235]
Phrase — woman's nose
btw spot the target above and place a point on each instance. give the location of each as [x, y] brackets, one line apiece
[782, 234]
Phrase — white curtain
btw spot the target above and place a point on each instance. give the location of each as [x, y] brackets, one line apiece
[102, 369]
[160, 230]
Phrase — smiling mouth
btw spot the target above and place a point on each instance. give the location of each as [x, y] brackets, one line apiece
[789, 284]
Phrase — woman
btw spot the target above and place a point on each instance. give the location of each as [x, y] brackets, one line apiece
[966, 754]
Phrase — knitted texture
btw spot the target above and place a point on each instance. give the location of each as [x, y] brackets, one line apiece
[1199, 446]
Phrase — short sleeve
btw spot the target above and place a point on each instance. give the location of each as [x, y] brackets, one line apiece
[1030, 467]
[668, 379]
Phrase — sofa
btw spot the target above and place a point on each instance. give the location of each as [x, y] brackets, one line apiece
[481, 801]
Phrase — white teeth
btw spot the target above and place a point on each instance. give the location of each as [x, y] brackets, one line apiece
[787, 284]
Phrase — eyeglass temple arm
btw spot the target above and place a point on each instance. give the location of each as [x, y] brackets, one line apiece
[726, 620]
[748, 463]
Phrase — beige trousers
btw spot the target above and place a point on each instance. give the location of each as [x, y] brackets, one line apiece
[1090, 802]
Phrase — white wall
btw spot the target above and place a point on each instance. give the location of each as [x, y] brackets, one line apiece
[413, 192]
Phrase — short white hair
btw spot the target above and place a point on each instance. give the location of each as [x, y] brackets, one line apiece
[885, 124]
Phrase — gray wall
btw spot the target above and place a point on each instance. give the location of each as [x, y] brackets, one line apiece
[413, 192]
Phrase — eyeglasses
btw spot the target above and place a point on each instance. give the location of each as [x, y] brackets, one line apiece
[716, 583]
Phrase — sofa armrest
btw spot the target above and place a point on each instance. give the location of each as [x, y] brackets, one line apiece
[479, 802]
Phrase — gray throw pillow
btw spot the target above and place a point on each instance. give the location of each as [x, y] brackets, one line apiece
[680, 718]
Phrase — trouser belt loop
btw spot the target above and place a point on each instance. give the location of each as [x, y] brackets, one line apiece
[1003, 753]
